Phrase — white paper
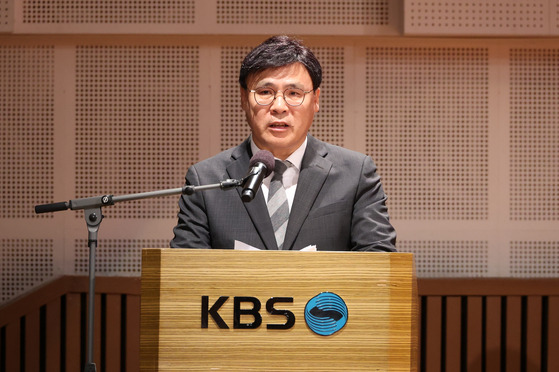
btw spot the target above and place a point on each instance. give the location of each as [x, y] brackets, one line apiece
[240, 246]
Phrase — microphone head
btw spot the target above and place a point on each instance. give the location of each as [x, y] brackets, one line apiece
[265, 157]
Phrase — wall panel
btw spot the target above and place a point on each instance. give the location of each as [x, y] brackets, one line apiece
[27, 131]
[534, 134]
[136, 122]
[456, 17]
[348, 17]
[427, 127]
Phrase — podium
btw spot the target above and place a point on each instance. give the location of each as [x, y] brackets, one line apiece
[226, 310]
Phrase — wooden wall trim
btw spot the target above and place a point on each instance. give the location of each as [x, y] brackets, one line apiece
[60, 286]
[426, 287]
[488, 287]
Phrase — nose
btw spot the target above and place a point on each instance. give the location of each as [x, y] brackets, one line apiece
[279, 104]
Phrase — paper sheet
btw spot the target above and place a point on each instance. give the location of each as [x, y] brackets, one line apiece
[240, 246]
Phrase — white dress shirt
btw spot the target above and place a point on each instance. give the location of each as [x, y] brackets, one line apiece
[291, 175]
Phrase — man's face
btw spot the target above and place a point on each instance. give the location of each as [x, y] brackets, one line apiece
[278, 127]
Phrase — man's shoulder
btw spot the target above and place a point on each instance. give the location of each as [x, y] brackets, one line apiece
[223, 157]
[337, 153]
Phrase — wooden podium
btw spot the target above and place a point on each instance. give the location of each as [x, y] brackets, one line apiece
[185, 292]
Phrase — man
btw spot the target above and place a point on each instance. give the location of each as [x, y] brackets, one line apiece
[327, 196]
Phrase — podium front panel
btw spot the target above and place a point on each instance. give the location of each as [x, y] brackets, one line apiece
[206, 310]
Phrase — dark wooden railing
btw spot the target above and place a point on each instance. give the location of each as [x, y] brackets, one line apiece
[489, 325]
[477, 325]
[46, 330]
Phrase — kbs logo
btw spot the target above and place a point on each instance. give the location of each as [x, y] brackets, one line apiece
[325, 314]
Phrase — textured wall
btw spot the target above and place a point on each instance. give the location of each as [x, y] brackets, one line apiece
[465, 131]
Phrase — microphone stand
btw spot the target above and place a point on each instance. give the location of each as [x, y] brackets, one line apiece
[93, 217]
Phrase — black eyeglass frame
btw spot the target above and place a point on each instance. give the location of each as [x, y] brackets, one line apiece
[254, 91]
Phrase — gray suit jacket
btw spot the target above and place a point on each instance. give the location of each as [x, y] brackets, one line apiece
[339, 204]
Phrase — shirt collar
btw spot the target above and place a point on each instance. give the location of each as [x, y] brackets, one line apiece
[296, 158]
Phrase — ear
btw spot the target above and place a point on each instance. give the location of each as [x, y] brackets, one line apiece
[316, 99]
[244, 99]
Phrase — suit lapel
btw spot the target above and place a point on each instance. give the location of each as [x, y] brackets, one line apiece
[314, 171]
[257, 208]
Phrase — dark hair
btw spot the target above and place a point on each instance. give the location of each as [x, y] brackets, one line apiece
[279, 51]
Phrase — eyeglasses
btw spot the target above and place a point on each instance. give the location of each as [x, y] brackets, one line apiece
[292, 96]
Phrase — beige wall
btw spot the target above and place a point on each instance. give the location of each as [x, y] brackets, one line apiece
[464, 129]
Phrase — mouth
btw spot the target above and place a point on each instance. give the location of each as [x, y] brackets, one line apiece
[278, 125]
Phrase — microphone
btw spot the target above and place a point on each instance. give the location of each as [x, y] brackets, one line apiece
[261, 165]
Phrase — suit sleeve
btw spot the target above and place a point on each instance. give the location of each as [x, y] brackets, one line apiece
[192, 229]
[371, 228]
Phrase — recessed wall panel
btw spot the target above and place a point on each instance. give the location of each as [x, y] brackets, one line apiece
[136, 123]
[27, 129]
[457, 17]
[304, 12]
[534, 259]
[122, 257]
[534, 134]
[24, 264]
[108, 12]
[449, 258]
[427, 121]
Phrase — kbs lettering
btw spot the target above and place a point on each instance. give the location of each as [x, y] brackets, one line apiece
[240, 308]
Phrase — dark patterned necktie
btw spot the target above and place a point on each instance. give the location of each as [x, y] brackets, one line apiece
[277, 203]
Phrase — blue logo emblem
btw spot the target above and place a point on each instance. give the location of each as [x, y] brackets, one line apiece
[326, 313]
